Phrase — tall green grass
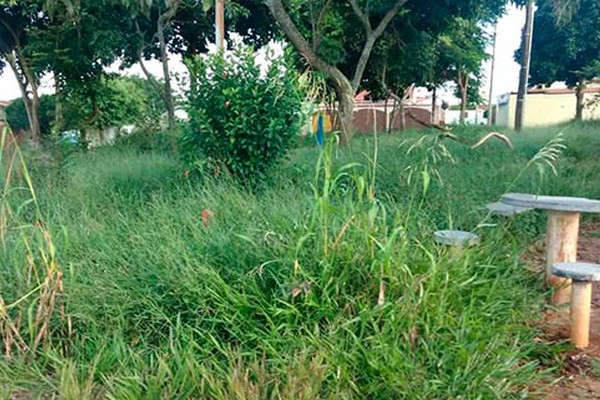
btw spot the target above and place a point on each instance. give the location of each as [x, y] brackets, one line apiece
[325, 285]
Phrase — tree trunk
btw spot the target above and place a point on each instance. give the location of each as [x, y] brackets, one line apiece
[464, 90]
[490, 94]
[149, 77]
[36, 134]
[580, 93]
[393, 114]
[25, 77]
[31, 80]
[25, 80]
[524, 75]
[58, 110]
[164, 59]
[388, 125]
[346, 113]
[22, 86]
[402, 115]
[433, 105]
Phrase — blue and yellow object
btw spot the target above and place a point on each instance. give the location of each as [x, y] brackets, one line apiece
[320, 136]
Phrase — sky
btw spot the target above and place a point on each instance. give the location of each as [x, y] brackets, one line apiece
[506, 76]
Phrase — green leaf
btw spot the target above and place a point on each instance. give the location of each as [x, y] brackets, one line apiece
[207, 5]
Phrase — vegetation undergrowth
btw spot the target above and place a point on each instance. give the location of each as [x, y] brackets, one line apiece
[327, 284]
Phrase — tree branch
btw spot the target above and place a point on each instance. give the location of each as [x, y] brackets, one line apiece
[302, 45]
[10, 30]
[149, 76]
[364, 17]
[316, 27]
[140, 55]
[372, 36]
[388, 17]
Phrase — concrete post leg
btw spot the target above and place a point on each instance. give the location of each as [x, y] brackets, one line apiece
[581, 300]
[561, 246]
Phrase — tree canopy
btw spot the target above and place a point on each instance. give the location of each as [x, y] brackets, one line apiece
[387, 45]
[568, 52]
[119, 100]
[380, 45]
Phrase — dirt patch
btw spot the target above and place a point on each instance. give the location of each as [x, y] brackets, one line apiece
[579, 375]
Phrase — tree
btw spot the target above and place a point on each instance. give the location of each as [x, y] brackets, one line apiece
[150, 28]
[16, 24]
[118, 101]
[72, 40]
[18, 120]
[462, 53]
[414, 51]
[308, 40]
[333, 38]
[566, 52]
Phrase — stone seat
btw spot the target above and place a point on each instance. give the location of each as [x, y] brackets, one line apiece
[577, 271]
[582, 276]
[553, 203]
[506, 210]
[456, 238]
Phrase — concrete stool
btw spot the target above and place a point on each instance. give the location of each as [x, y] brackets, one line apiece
[456, 238]
[582, 276]
[506, 210]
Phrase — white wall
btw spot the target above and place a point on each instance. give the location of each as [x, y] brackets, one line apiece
[474, 117]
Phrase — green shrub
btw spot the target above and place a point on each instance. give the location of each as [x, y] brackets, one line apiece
[147, 138]
[240, 117]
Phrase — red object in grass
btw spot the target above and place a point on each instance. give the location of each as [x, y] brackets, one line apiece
[186, 173]
[207, 216]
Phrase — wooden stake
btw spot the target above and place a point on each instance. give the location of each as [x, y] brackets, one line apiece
[561, 246]
[581, 300]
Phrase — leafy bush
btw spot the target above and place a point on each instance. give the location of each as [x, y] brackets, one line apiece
[241, 118]
[147, 138]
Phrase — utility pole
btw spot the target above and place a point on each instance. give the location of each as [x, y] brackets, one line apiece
[490, 97]
[220, 23]
[526, 58]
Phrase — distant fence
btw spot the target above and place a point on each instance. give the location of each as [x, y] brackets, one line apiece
[370, 117]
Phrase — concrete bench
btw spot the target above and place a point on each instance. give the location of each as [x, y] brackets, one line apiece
[562, 233]
[506, 210]
[582, 275]
[456, 238]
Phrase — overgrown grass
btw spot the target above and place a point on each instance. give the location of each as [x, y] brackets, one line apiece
[326, 285]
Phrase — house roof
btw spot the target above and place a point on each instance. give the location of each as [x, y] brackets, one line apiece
[4, 103]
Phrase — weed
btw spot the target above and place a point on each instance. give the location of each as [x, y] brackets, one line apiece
[325, 285]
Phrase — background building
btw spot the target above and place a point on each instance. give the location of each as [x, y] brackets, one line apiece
[548, 106]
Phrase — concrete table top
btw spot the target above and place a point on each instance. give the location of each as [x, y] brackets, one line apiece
[579, 272]
[554, 203]
[506, 210]
[456, 238]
